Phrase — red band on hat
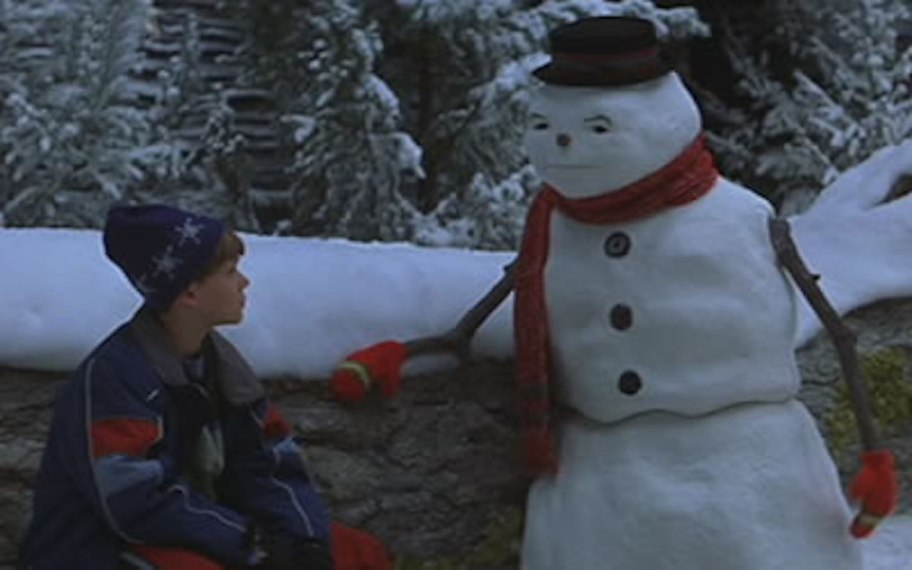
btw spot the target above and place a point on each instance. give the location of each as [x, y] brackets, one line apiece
[647, 53]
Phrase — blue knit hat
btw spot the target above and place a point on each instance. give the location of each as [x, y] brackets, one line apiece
[160, 249]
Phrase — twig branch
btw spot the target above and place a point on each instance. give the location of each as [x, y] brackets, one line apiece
[458, 339]
[842, 336]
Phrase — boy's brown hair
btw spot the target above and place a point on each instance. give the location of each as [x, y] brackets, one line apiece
[230, 248]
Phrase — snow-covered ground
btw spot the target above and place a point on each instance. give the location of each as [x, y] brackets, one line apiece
[891, 547]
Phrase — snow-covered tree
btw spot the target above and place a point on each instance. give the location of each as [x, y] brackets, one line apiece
[395, 119]
[353, 157]
[190, 72]
[407, 116]
[342, 118]
[14, 29]
[845, 94]
[71, 138]
[487, 215]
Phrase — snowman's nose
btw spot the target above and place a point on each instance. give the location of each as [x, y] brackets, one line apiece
[563, 140]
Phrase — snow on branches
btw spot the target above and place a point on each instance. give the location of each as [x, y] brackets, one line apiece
[844, 94]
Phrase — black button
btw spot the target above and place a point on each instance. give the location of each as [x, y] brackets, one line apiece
[617, 244]
[621, 317]
[630, 383]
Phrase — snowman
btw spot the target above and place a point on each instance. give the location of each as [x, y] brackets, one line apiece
[654, 325]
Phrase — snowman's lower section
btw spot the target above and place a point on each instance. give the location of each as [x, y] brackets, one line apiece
[751, 487]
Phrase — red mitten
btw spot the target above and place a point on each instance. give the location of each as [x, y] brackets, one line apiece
[877, 491]
[275, 426]
[378, 364]
[354, 549]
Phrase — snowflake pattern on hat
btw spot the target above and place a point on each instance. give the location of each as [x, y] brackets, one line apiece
[144, 287]
[166, 263]
[189, 231]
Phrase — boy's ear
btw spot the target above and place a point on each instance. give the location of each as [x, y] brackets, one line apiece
[188, 297]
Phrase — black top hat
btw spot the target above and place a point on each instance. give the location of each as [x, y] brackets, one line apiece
[603, 51]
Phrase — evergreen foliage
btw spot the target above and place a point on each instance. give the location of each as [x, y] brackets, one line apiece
[342, 119]
[844, 95]
[407, 117]
[70, 137]
[348, 165]
[395, 119]
[204, 163]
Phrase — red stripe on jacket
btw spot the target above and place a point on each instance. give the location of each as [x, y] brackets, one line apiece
[124, 436]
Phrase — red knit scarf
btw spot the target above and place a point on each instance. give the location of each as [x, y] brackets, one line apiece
[688, 177]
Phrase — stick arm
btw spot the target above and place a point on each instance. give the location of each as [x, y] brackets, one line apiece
[381, 364]
[458, 339]
[843, 337]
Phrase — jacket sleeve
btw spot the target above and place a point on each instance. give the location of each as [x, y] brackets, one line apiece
[133, 486]
[266, 478]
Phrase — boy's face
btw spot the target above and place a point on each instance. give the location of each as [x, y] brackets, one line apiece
[219, 297]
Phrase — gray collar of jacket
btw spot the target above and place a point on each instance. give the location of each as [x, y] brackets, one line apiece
[237, 382]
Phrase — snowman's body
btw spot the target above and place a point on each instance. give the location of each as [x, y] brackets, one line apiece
[708, 320]
[681, 443]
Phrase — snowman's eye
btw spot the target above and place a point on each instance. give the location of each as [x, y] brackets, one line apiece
[598, 124]
[538, 123]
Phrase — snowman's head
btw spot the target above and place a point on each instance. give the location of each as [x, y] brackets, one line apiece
[587, 141]
[610, 111]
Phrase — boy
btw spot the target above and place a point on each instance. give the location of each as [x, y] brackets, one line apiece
[164, 452]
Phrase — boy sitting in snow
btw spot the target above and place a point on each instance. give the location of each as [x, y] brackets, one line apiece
[164, 452]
